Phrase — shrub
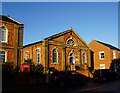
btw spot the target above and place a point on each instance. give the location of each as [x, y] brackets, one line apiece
[35, 68]
[7, 66]
[16, 69]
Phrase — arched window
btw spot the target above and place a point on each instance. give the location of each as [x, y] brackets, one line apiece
[37, 56]
[26, 55]
[84, 58]
[55, 56]
[4, 33]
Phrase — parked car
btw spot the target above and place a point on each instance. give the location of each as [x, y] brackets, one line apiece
[66, 77]
[105, 74]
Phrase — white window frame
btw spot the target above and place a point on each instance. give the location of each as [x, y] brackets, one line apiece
[57, 57]
[26, 56]
[36, 56]
[114, 55]
[85, 58]
[6, 36]
[102, 66]
[5, 55]
[100, 57]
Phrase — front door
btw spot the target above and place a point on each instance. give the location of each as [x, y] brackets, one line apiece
[71, 63]
[71, 60]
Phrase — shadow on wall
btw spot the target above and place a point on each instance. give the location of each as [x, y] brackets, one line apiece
[115, 65]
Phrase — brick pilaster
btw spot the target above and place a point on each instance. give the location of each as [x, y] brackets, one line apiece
[63, 58]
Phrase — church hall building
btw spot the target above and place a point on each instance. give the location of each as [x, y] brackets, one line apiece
[63, 51]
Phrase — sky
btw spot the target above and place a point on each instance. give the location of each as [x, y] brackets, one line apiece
[91, 20]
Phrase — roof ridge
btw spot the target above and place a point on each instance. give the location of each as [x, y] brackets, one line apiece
[3, 17]
[14, 20]
[55, 35]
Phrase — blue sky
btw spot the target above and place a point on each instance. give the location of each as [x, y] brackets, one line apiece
[91, 20]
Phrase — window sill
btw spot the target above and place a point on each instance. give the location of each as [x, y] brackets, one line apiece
[102, 59]
[55, 63]
[4, 42]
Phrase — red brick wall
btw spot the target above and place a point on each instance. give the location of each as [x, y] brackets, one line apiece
[108, 55]
[10, 44]
[60, 50]
[32, 51]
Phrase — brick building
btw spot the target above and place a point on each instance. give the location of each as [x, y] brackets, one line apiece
[64, 51]
[11, 40]
[103, 54]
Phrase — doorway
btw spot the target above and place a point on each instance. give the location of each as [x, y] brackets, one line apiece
[71, 62]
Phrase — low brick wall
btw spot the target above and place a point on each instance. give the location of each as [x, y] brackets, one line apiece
[86, 73]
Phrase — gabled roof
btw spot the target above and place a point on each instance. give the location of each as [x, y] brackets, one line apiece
[8, 19]
[57, 35]
[32, 44]
[65, 32]
[108, 45]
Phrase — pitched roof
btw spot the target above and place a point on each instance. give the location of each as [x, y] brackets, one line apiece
[65, 32]
[32, 44]
[57, 35]
[9, 19]
[108, 45]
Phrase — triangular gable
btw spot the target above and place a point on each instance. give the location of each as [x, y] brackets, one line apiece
[60, 36]
[9, 19]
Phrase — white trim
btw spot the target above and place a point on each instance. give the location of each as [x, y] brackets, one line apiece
[55, 63]
[114, 55]
[52, 56]
[102, 66]
[5, 54]
[25, 55]
[85, 58]
[39, 56]
[71, 37]
[14, 20]
[100, 55]
[6, 34]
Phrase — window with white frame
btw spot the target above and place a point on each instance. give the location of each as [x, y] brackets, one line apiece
[2, 56]
[114, 55]
[4, 34]
[26, 55]
[55, 56]
[84, 58]
[102, 66]
[101, 55]
[37, 56]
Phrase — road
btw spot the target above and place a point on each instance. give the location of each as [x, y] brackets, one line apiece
[90, 87]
